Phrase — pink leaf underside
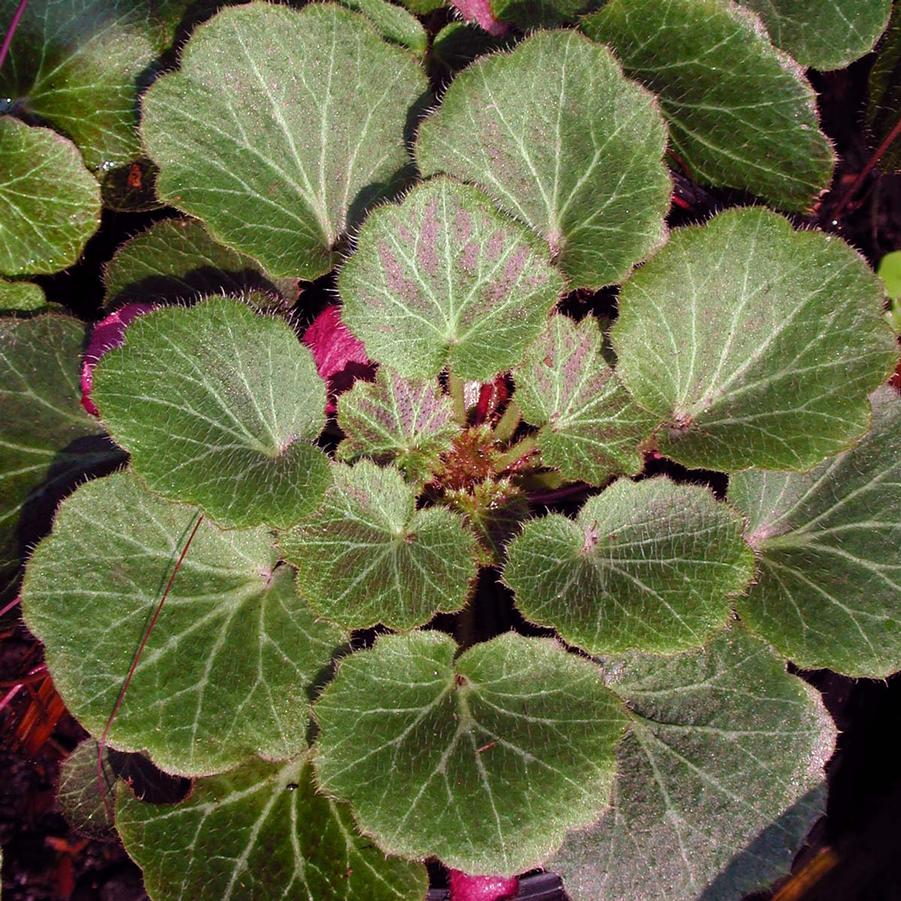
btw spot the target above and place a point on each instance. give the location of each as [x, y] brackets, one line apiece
[479, 11]
[464, 887]
[340, 357]
[106, 334]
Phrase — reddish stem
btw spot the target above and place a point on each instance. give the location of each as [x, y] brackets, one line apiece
[11, 31]
[135, 660]
[486, 392]
[878, 154]
[10, 606]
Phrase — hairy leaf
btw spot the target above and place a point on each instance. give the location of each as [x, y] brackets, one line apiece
[50, 202]
[395, 420]
[297, 117]
[527, 14]
[21, 297]
[218, 406]
[884, 107]
[48, 443]
[719, 779]
[590, 428]
[560, 139]
[368, 556]
[483, 761]
[828, 592]
[85, 801]
[394, 22]
[758, 344]
[741, 114]
[444, 279]
[824, 34]
[257, 833]
[227, 669]
[646, 565]
[177, 259]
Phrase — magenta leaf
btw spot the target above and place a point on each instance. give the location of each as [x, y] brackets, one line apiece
[479, 11]
[464, 887]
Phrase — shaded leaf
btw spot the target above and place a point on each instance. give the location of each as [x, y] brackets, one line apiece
[719, 778]
[368, 556]
[527, 14]
[884, 105]
[218, 406]
[741, 113]
[590, 428]
[21, 297]
[494, 509]
[824, 34]
[463, 759]
[444, 279]
[51, 203]
[397, 421]
[86, 802]
[228, 667]
[297, 116]
[757, 343]
[646, 565]
[48, 443]
[560, 139]
[458, 44]
[257, 833]
[177, 259]
[393, 22]
[828, 591]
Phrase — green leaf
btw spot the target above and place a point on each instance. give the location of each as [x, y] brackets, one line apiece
[48, 443]
[457, 45]
[648, 566]
[560, 139]
[890, 273]
[829, 581]
[590, 428]
[78, 64]
[51, 203]
[719, 779]
[393, 22]
[368, 556]
[464, 759]
[444, 279]
[218, 406]
[228, 667]
[298, 117]
[422, 7]
[757, 343]
[528, 14]
[257, 833]
[884, 106]
[85, 801]
[741, 113]
[824, 34]
[21, 297]
[395, 420]
[177, 259]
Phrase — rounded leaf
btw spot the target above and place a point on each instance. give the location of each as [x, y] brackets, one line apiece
[85, 800]
[257, 833]
[756, 343]
[218, 406]
[21, 297]
[646, 565]
[828, 589]
[394, 23]
[719, 779]
[589, 427]
[297, 117]
[740, 112]
[560, 139]
[51, 203]
[484, 761]
[368, 556]
[444, 279]
[227, 668]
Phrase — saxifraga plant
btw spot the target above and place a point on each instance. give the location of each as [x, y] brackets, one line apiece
[323, 569]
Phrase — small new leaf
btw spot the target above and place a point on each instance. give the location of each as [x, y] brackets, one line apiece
[296, 117]
[561, 140]
[444, 279]
[260, 832]
[484, 761]
[719, 779]
[756, 343]
[368, 556]
[828, 590]
[646, 565]
[740, 112]
[218, 406]
[394, 420]
[590, 428]
[227, 669]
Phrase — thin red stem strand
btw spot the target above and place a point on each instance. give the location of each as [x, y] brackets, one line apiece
[878, 154]
[11, 31]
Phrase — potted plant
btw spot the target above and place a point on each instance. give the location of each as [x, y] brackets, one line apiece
[425, 495]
